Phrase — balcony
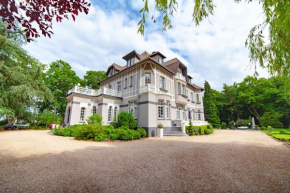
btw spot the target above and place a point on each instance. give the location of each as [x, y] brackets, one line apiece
[93, 92]
[154, 89]
[180, 76]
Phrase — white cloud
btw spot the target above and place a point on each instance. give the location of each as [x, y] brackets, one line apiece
[212, 51]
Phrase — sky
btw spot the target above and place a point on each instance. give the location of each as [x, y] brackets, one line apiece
[214, 51]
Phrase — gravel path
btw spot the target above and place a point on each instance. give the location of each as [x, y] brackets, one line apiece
[227, 161]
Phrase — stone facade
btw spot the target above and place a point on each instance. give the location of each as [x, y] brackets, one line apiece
[153, 90]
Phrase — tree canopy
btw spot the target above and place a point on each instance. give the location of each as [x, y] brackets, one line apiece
[273, 55]
[92, 78]
[21, 83]
[24, 13]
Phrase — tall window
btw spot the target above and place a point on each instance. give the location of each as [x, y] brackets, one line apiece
[147, 78]
[125, 83]
[68, 115]
[132, 108]
[191, 96]
[197, 98]
[94, 110]
[115, 112]
[110, 114]
[179, 88]
[189, 114]
[177, 113]
[193, 115]
[198, 115]
[132, 61]
[160, 110]
[184, 114]
[162, 82]
[131, 80]
[183, 90]
[110, 86]
[82, 117]
[119, 86]
[168, 110]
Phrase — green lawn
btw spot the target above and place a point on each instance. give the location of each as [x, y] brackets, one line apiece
[285, 136]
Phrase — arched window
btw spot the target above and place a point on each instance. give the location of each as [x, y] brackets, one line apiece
[115, 112]
[94, 110]
[83, 113]
[110, 114]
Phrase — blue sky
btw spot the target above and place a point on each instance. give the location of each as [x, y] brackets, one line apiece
[213, 51]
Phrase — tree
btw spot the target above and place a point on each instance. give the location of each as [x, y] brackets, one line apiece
[48, 117]
[274, 55]
[21, 83]
[60, 78]
[126, 119]
[210, 109]
[271, 119]
[92, 78]
[26, 13]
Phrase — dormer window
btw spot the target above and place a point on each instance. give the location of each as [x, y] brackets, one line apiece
[160, 59]
[130, 62]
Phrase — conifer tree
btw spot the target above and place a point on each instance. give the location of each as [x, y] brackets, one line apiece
[210, 109]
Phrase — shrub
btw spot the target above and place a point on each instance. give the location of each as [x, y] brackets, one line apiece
[126, 119]
[209, 127]
[231, 124]
[201, 131]
[242, 122]
[224, 125]
[142, 132]
[96, 118]
[87, 132]
[123, 134]
[48, 117]
[263, 128]
[190, 131]
[100, 137]
[114, 136]
[160, 126]
[207, 131]
[123, 127]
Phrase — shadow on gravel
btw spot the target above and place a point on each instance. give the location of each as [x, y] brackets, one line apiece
[151, 166]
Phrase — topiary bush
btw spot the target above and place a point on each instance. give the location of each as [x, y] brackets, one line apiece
[126, 119]
[142, 132]
[201, 130]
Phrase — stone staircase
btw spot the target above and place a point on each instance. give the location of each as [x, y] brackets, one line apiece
[175, 131]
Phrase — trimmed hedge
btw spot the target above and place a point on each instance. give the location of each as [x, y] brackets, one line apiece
[199, 130]
[98, 132]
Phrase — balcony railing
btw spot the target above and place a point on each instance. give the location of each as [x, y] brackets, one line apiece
[93, 92]
[180, 76]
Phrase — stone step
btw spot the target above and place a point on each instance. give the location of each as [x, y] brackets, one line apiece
[173, 128]
[174, 133]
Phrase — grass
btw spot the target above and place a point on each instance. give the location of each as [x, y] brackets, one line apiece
[276, 133]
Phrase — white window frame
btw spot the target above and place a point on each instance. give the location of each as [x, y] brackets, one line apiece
[197, 98]
[193, 115]
[125, 83]
[162, 82]
[179, 88]
[177, 113]
[199, 115]
[160, 109]
[168, 110]
[191, 96]
[183, 90]
[160, 59]
[131, 80]
[119, 86]
[147, 79]
[110, 113]
[83, 114]
[115, 112]
[94, 110]
[132, 107]
[188, 114]
[183, 115]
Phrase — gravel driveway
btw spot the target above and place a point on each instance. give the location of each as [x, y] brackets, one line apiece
[227, 161]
